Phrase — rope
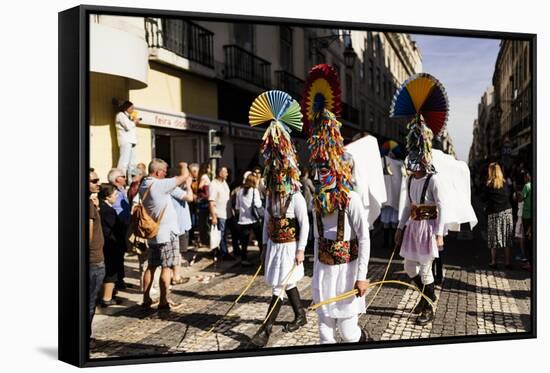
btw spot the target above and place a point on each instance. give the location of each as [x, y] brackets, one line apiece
[281, 293]
[226, 313]
[383, 278]
[355, 291]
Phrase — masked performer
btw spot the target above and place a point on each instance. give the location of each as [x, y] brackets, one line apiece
[421, 226]
[286, 225]
[341, 229]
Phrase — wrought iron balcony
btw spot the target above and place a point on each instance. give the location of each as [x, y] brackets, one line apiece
[243, 65]
[289, 83]
[350, 113]
[184, 38]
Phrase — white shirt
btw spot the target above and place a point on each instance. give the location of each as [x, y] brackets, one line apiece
[244, 204]
[125, 129]
[158, 199]
[218, 191]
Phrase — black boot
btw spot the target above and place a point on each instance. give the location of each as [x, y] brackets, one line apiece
[422, 303]
[438, 271]
[299, 313]
[427, 314]
[261, 337]
[386, 238]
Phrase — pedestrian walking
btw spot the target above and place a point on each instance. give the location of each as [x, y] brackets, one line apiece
[218, 199]
[500, 224]
[248, 202]
[117, 178]
[96, 267]
[114, 233]
[181, 196]
[156, 194]
[202, 205]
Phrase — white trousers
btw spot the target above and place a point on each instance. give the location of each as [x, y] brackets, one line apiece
[348, 329]
[127, 157]
[278, 290]
[414, 268]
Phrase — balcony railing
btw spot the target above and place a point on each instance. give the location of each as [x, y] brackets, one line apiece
[289, 83]
[184, 38]
[243, 65]
[350, 113]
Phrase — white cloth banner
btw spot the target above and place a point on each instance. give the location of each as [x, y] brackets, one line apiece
[393, 182]
[367, 172]
[455, 192]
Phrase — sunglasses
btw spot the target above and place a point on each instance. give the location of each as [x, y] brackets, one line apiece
[94, 181]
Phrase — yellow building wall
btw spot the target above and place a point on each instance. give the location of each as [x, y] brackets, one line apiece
[200, 96]
[177, 91]
[103, 143]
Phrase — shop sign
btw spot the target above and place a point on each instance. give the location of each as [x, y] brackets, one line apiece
[174, 121]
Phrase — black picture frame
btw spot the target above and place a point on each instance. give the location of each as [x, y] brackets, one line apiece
[73, 150]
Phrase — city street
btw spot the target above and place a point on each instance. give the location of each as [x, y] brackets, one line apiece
[473, 300]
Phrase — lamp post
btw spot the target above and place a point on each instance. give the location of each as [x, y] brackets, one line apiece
[323, 42]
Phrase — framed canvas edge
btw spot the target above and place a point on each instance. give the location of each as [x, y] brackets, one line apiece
[75, 107]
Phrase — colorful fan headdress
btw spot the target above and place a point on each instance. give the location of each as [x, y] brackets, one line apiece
[321, 91]
[422, 98]
[390, 146]
[332, 172]
[278, 152]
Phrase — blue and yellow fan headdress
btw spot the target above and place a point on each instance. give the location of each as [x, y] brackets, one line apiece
[281, 168]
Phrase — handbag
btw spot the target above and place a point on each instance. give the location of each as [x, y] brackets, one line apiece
[257, 212]
[143, 225]
[215, 237]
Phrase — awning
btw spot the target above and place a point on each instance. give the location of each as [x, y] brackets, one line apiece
[119, 53]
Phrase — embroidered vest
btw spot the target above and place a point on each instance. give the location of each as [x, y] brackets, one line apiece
[332, 252]
[282, 229]
[421, 211]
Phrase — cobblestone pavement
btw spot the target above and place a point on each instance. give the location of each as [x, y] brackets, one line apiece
[471, 301]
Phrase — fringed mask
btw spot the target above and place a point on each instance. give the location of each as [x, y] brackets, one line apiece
[281, 170]
[419, 147]
[332, 175]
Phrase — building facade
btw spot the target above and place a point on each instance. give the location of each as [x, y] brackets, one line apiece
[512, 80]
[486, 131]
[186, 78]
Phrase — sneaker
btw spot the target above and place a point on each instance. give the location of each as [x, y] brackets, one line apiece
[107, 303]
[520, 258]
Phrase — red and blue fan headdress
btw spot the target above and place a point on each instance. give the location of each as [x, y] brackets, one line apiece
[423, 99]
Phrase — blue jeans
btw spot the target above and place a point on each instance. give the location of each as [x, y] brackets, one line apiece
[223, 242]
[97, 274]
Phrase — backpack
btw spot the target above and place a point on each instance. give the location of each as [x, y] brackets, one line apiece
[142, 224]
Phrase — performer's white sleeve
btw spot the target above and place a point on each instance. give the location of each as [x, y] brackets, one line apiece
[441, 210]
[315, 241]
[267, 216]
[407, 207]
[360, 225]
[300, 212]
